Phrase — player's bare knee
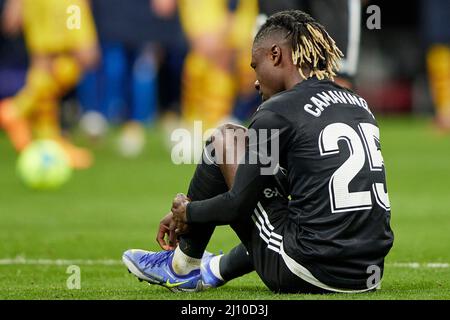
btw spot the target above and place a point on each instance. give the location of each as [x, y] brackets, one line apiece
[229, 143]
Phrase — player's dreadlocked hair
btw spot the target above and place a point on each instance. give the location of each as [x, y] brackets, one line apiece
[311, 43]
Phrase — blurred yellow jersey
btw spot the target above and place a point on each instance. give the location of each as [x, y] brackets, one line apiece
[55, 26]
[212, 16]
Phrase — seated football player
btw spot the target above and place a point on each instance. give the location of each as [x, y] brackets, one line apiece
[307, 197]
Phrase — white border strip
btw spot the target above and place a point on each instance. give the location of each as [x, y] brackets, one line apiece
[418, 265]
[58, 262]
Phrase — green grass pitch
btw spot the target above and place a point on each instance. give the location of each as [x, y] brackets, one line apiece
[118, 203]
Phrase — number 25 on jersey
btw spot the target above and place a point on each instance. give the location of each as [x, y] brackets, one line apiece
[362, 145]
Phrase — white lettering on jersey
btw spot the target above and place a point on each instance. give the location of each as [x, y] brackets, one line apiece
[269, 193]
[323, 100]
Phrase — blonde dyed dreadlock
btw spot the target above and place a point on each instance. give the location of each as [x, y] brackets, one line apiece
[311, 44]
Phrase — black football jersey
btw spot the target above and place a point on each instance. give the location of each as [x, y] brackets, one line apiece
[339, 207]
[328, 143]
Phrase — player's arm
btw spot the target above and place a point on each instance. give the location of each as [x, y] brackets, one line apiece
[250, 177]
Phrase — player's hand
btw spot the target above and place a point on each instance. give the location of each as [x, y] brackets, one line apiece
[166, 236]
[11, 19]
[179, 205]
[164, 8]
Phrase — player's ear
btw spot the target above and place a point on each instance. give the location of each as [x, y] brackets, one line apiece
[275, 54]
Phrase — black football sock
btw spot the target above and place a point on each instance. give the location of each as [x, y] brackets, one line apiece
[236, 263]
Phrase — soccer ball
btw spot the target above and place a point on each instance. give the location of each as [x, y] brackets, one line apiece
[44, 165]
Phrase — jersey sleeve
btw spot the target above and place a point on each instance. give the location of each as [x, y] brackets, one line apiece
[273, 135]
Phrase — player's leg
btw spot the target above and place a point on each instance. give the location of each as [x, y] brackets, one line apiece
[63, 72]
[183, 264]
[15, 111]
[229, 147]
[76, 52]
[435, 20]
[207, 182]
[38, 98]
[218, 269]
[208, 86]
[438, 62]
[73, 50]
[213, 177]
[143, 98]
[35, 106]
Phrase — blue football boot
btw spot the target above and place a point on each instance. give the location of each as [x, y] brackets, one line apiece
[209, 280]
[156, 268]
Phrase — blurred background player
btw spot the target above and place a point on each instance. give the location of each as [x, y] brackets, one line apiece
[142, 48]
[216, 68]
[13, 59]
[436, 29]
[58, 52]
